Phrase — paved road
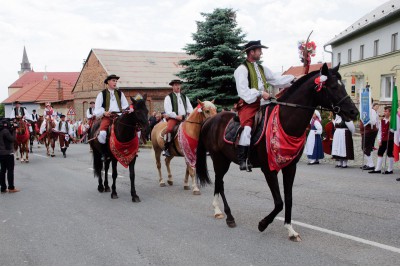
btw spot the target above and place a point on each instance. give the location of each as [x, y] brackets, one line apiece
[345, 217]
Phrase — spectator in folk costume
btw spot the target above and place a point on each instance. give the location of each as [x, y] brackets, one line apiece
[386, 142]
[19, 112]
[176, 106]
[342, 144]
[368, 136]
[65, 129]
[314, 149]
[48, 114]
[252, 81]
[108, 101]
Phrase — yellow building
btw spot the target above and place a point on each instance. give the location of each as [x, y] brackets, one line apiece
[369, 54]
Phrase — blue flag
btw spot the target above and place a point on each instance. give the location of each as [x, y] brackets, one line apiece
[365, 105]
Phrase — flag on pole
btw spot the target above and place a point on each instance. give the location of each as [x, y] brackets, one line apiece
[394, 124]
[365, 105]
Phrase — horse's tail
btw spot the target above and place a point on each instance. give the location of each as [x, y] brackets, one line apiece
[201, 163]
[97, 163]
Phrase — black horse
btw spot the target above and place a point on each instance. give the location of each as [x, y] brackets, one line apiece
[126, 127]
[297, 106]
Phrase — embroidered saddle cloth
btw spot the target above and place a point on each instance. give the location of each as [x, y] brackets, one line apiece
[123, 152]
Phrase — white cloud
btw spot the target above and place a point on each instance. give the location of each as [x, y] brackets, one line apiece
[59, 34]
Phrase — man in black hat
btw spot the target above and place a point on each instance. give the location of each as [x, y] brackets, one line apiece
[19, 111]
[66, 133]
[176, 106]
[252, 83]
[108, 101]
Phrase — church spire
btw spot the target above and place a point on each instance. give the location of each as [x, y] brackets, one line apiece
[25, 65]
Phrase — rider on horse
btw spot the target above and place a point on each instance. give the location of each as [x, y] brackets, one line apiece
[176, 107]
[65, 133]
[108, 101]
[48, 115]
[19, 112]
[252, 81]
[90, 114]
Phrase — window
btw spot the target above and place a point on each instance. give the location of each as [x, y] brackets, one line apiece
[394, 41]
[361, 52]
[387, 83]
[338, 58]
[349, 56]
[376, 48]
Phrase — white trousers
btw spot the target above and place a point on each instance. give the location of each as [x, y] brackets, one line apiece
[245, 136]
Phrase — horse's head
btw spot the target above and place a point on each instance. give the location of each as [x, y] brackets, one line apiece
[21, 125]
[140, 113]
[206, 108]
[333, 94]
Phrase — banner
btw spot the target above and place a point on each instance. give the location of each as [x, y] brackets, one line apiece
[365, 105]
[394, 124]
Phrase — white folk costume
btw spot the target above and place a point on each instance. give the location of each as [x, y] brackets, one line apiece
[251, 80]
[48, 113]
[65, 133]
[20, 112]
[109, 100]
[342, 144]
[313, 147]
[386, 140]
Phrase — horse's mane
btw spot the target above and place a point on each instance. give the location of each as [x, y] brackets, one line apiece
[296, 85]
[209, 104]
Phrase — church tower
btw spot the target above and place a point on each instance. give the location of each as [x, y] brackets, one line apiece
[25, 65]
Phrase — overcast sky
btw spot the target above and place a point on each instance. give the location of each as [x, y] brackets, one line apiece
[58, 34]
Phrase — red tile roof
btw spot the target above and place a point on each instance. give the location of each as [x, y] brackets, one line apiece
[299, 70]
[43, 91]
[34, 77]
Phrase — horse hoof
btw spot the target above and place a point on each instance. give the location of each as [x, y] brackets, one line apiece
[53, 156]
[170, 182]
[16, 158]
[196, 193]
[136, 199]
[231, 224]
[101, 189]
[186, 187]
[114, 196]
[219, 216]
[262, 226]
[107, 189]
[295, 238]
[27, 161]
[162, 184]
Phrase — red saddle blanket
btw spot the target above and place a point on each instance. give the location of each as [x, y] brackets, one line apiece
[22, 138]
[188, 146]
[123, 152]
[281, 148]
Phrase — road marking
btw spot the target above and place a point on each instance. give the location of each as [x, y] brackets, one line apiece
[108, 173]
[354, 238]
[39, 155]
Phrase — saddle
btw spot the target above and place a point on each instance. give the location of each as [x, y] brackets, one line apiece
[233, 129]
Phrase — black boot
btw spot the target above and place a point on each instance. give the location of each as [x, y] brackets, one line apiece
[242, 155]
[166, 149]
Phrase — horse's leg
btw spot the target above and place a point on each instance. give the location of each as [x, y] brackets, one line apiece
[186, 180]
[288, 179]
[31, 137]
[272, 180]
[192, 173]
[53, 144]
[16, 151]
[157, 155]
[106, 167]
[167, 164]
[114, 194]
[27, 152]
[135, 197]
[221, 168]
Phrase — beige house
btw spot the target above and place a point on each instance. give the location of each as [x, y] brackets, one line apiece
[369, 52]
[141, 72]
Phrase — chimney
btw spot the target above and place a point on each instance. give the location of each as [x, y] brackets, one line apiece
[60, 91]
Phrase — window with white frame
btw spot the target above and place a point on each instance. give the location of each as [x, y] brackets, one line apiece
[394, 41]
[376, 48]
[349, 56]
[387, 83]
[361, 52]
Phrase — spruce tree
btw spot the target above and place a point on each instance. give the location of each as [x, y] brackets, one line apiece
[216, 51]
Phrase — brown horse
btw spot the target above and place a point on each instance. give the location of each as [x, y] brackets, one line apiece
[125, 128]
[296, 107]
[50, 137]
[190, 127]
[34, 135]
[21, 143]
